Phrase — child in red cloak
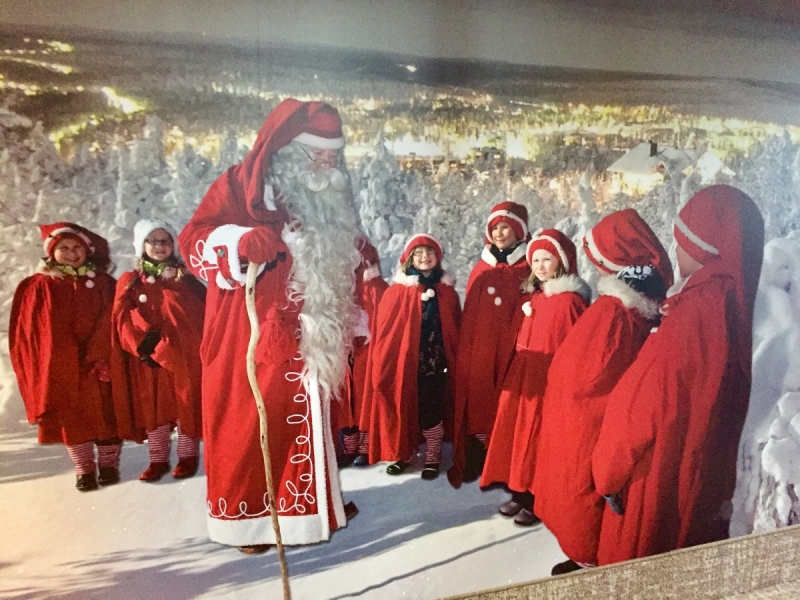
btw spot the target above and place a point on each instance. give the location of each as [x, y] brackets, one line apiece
[555, 298]
[370, 287]
[486, 344]
[157, 328]
[666, 454]
[60, 342]
[635, 275]
[415, 342]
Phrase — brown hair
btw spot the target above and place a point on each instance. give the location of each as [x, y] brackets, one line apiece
[410, 260]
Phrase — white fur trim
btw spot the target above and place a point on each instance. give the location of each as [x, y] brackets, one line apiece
[145, 227]
[561, 254]
[694, 238]
[317, 141]
[510, 215]
[227, 236]
[56, 232]
[306, 529]
[526, 308]
[361, 323]
[488, 257]
[517, 255]
[371, 272]
[609, 285]
[598, 256]
[498, 301]
[401, 278]
[269, 197]
[567, 283]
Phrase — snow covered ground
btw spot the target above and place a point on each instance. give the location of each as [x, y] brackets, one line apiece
[137, 541]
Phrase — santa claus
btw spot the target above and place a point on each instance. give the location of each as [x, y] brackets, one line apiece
[288, 207]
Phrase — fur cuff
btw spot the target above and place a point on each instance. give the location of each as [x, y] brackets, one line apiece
[567, 283]
[512, 259]
[372, 272]
[223, 245]
[630, 298]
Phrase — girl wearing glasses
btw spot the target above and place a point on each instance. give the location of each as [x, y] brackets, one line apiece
[411, 361]
[60, 344]
[157, 327]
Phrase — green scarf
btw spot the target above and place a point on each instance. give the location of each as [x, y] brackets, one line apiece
[155, 269]
[67, 270]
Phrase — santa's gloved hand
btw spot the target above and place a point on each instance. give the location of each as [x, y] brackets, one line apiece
[260, 244]
[615, 504]
[148, 344]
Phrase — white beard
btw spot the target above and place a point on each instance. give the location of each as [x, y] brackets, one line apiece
[325, 256]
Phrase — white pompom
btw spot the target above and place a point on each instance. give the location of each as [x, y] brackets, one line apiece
[90, 284]
[91, 274]
[526, 308]
[150, 279]
[491, 290]
[431, 293]
[498, 301]
[424, 296]
[142, 298]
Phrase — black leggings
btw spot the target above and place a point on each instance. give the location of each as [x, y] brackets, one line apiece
[430, 394]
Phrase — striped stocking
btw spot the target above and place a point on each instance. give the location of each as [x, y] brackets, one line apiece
[158, 443]
[363, 443]
[188, 447]
[351, 442]
[433, 443]
[108, 455]
[83, 457]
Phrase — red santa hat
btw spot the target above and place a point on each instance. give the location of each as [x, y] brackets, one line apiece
[515, 215]
[421, 239]
[557, 244]
[96, 246]
[314, 123]
[623, 239]
[722, 228]
[145, 227]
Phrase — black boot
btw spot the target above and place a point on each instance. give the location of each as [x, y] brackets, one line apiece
[86, 482]
[475, 455]
[568, 566]
[108, 476]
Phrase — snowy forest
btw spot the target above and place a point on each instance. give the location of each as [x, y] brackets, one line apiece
[98, 132]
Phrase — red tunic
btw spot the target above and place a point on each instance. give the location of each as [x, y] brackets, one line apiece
[153, 397]
[671, 430]
[59, 334]
[485, 347]
[390, 408]
[511, 456]
[585, 368]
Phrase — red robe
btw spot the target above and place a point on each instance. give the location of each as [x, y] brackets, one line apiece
[390, 408]
[585, 368]
[370, 287]
[150, 398]
[59, 336]
[671, 430]
[485, 347]
[511, 456]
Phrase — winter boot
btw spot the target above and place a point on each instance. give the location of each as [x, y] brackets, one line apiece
[475, 454]
[431, 471]
[186, 467]
[154, 472]
[568, 566]
[86, 482]
[108, 476]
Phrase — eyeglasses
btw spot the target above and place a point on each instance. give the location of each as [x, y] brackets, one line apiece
[322, 158]
[423, 250]
[159, 242]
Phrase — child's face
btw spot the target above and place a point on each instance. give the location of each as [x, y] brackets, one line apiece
[686, 264]
[70, 252]
[423, 258]
[503, 236]
[158, 245]
[544, 265]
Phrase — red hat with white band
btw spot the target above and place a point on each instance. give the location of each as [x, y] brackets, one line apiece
[96, 246]
[557, 244]
[421, 239]
[515, 215]
[623, 239]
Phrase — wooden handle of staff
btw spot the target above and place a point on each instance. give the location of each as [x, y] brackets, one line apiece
[250, 301]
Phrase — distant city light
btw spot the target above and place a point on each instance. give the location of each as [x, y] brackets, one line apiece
[126, 105]
[411, 68]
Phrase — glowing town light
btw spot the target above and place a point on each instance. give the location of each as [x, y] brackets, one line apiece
[55, 67]
[411, 68]
[122, 103]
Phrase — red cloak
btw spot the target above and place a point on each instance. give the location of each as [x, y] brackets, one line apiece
[390, 408]
[670, 435]
[595, 354]
[59, 341]
[485, 348]
[147, 397]
[511, 456]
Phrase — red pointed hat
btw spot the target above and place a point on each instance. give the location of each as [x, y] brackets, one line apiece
[313, 123]
[512, 213]
[623, 239]
[369, 255]
[421, 239]
[96, 246]
[557, 244]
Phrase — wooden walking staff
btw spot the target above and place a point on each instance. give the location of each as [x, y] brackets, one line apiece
[250, 301]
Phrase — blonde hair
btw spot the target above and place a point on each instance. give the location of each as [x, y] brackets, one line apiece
[534, 282]
[410, 260]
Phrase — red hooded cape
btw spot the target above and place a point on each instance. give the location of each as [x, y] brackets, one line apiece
[671, 430]
[302, 451]
[59, 341]
[147, 398]
[585, 368]
[512, 453]
[390, 408]
[485, 348]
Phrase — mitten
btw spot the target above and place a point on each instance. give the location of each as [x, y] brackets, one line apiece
[149, 343]
[260, 244]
